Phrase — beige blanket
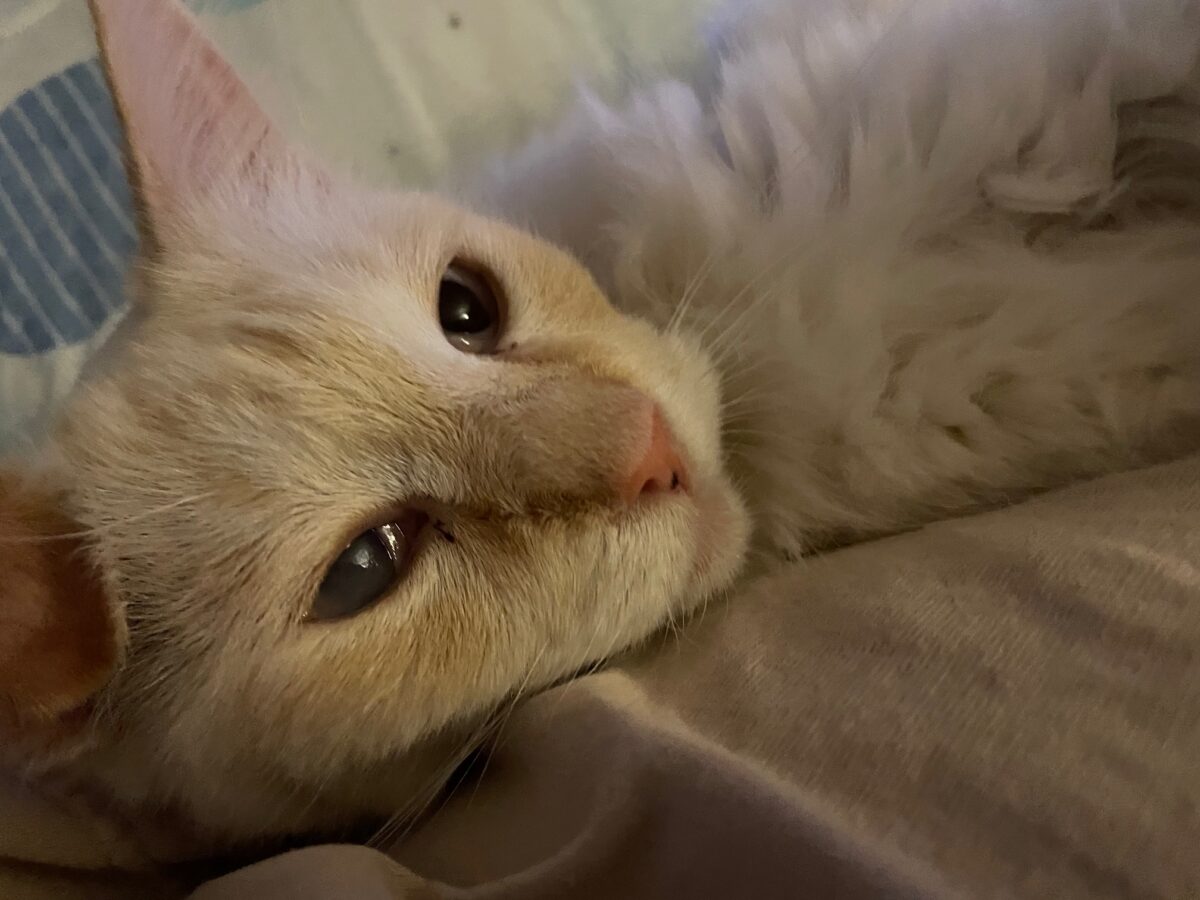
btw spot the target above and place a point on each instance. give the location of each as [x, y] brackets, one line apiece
[1006, 705]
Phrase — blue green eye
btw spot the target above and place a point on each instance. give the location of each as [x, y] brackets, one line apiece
[368, 568]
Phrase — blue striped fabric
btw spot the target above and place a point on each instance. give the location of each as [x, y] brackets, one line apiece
[66, 224]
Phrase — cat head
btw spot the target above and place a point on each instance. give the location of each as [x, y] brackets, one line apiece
[356, 469]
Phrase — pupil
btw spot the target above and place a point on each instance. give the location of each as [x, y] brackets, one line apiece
[461, 311]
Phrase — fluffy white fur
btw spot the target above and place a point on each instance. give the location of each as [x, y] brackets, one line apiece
[946, 253]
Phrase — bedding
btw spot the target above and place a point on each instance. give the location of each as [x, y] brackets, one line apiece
[1006, 705]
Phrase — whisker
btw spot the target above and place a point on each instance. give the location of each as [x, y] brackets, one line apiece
[495, 742]
[399, 824]
[690, 291]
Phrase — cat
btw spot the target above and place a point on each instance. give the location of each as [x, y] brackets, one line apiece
[359, 469]
[356, 470]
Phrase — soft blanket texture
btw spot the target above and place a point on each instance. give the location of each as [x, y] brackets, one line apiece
[1004, 705]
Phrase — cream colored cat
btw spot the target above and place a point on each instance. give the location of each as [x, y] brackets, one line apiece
[356, 470]
[360, 468]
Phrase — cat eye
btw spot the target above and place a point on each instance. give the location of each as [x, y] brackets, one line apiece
[370, 566]
[468, 310]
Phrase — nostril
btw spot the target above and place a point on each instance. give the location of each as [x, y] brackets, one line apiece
[658, 469]
[661, 483]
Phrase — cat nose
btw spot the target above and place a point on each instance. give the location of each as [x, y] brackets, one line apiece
[658, 469]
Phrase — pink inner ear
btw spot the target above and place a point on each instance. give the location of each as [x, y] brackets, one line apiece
[192, 125]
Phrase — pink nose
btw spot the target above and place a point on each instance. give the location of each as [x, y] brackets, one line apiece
[658, 470]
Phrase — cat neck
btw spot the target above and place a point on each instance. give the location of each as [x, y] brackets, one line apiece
[62, 835]
[58, 840]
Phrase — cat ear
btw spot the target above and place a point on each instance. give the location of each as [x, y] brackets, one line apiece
[193, 132]
[60, 638]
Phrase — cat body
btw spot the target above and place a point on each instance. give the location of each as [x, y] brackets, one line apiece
[884, 263]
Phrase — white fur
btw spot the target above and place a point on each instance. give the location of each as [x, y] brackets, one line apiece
[946, 252]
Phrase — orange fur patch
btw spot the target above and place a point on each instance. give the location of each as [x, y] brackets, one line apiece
[58, 640]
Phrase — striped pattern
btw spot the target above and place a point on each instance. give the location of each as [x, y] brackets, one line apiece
[66, 223]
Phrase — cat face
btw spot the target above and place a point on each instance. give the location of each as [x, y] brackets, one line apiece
[356, 470]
